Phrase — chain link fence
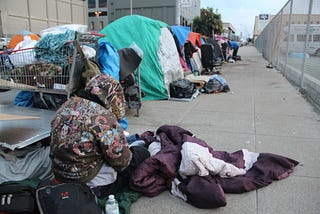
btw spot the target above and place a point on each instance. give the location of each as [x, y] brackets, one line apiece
[291, 44]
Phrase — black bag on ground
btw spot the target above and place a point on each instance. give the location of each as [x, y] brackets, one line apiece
[212, 86]
[67, 198]
[182, 88]
[17, 198]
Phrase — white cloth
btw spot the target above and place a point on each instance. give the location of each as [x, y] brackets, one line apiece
[154, 148]
[175, 190]
[63, 29]
[249, 158]
[88, 51]
[24, 52]
[107, 175]
[197, 160]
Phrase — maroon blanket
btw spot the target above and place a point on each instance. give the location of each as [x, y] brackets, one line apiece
[156, 173]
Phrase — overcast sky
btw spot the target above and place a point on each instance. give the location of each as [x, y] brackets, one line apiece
[241, 13]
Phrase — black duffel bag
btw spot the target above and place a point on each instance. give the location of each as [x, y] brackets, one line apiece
[17, 198]
[182, 88]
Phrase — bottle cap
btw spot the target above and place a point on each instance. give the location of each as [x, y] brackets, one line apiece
[111, 197]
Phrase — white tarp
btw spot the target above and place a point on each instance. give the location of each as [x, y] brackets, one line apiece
[169, 58]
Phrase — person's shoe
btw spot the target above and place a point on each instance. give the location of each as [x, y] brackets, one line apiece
[269, 66]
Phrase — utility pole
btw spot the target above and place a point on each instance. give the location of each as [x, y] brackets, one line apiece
[177, 12]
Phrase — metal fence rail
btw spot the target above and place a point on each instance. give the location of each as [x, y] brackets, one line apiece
[291, 44]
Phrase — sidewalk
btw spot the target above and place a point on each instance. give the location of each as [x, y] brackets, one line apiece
[262, 113]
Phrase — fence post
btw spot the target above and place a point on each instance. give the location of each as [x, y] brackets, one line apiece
[276, 47]
[305, 44]
[288, 40]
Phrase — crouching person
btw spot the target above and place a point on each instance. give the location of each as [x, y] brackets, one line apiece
[235, 47]
[88, 144]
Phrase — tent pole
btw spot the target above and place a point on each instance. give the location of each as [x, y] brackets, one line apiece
[131, 7]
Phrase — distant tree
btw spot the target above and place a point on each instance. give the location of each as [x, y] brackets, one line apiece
[208, 22]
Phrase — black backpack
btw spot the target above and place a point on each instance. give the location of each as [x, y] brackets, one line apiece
[67, 198]
[182, 88]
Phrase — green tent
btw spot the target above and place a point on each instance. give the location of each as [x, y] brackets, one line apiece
[145, 32]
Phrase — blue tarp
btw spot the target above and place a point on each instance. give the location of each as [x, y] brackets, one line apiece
[109, 59]
[182, 33]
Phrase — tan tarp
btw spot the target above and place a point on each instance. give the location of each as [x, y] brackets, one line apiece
[16, 117]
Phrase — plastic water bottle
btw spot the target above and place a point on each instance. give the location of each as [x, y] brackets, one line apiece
[112, 206]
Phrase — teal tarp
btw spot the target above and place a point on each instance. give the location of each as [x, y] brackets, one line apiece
[145, 33]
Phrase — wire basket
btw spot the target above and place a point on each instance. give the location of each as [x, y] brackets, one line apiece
[44, 70]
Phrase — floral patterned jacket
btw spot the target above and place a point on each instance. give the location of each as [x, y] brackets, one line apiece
[84, 133]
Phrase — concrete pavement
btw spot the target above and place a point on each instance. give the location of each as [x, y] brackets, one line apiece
[262, 113]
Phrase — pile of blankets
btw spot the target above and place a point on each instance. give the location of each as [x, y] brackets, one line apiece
[194, 172]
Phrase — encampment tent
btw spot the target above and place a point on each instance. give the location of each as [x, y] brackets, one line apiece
[184, 33]
[185, 36]
[161, 64]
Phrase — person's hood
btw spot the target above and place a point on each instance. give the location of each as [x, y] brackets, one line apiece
[110, 92]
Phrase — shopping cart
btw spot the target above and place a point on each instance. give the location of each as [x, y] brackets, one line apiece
[46, 71]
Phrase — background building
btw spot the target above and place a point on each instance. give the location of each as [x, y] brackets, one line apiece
[229, 31]
[260, 23]
[299, 16]
[18, 15]
[172, 12]
[189, 9]
[262, 20]
[97, 14]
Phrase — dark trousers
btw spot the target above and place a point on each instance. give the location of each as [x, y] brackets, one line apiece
[224, 47]
[235, 52]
